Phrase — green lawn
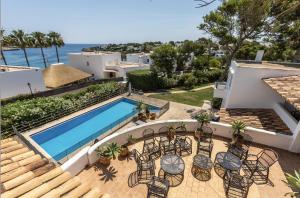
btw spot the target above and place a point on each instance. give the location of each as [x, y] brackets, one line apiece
[184, 89]
[194, 98]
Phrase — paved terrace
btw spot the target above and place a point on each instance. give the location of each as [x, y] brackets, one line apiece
[119, 179]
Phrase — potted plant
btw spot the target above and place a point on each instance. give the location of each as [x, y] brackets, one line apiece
[171, 132]
[293, 181]
[106, 153]
[124, 150]
[182, 127]
[147, 110]
[203, 119]
[152, 116]
[238, 130]
[140, 108]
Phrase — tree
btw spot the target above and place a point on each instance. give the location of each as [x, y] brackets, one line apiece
[4, 42]
[57, 41]
[248, 50]
[285, 31]
[40, 40]
[164, 59]
[236, 21]
[201, 63]
[21, 40]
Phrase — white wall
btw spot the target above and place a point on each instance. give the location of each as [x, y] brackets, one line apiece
[248, 90]
[14, 83]
[285, 116]
[143, 58]
[88, 155]
[94, 63]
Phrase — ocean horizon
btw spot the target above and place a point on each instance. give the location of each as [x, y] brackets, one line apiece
[17, 58]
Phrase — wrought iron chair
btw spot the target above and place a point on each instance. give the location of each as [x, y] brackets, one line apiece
[184, 144]
[158, 187]
[207, 133]
[205, 147]
[151, 145]
[258, 166]
[236, 185]
[166, 145]
[180, 129]
[145, 166]
[242, 150]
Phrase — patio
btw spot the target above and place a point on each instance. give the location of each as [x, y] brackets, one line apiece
[120, 179]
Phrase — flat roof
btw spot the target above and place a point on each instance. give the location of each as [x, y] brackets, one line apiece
[97, 53]
[265, 119]
[270, 65]
[288, 87]
[8, 68]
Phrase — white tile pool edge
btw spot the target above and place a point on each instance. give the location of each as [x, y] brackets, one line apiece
[27, 135]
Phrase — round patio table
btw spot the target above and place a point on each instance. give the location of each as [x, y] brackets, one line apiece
[172, 164]
[228, 161]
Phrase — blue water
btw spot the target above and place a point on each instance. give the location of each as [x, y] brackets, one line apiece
[35, 57]
[62, 139]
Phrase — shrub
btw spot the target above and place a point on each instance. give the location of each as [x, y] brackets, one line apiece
[183, 78]
[143, 79]
[190, 82]
[166, 83]
[214, 63]
[216, 103]
[30, 110]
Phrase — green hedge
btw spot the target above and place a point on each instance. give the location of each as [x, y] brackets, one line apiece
[147, 81]
[30, 110]
[143, 79]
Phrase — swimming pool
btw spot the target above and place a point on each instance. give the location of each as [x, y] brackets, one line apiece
[63, 139]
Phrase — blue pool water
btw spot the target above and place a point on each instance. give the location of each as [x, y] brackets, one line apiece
[62, 139]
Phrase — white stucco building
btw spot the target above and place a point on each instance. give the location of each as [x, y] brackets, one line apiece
[143, 58]
[104, 65]
[263, 95]
[16, 80]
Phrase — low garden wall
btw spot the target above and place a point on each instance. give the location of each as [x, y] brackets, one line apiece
[89, 156]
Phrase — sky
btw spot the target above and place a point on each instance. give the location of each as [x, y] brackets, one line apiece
[107, 21]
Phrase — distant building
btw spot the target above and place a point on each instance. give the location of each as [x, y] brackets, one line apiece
[104, 65]
[16, 80]
[143, 58]
[219, 53]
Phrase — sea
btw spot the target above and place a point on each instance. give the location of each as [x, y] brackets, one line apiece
[17, 58]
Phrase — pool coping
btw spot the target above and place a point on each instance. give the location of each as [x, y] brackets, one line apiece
[30, 132]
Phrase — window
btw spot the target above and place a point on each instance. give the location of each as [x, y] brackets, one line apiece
[87, 63]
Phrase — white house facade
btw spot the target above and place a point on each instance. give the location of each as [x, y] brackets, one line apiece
[143, 58]
[104, 65]
[264, 95]
[16, 80]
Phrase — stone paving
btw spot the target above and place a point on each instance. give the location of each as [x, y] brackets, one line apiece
[119, 179]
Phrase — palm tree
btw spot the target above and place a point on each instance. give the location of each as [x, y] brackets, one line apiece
[22, 40]
[40, 40]
[57, 41]
[4, 42]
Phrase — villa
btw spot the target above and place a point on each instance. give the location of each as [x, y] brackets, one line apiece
[65, 157]
[104, 65]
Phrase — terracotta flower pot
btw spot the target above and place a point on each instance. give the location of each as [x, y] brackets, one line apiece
[104, 160]
[124, 151]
